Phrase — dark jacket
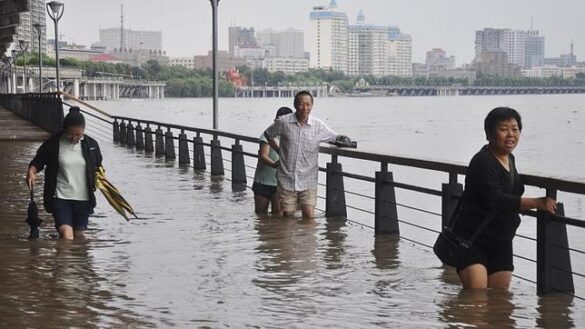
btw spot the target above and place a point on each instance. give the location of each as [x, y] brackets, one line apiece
[488, 189]
[48, 156]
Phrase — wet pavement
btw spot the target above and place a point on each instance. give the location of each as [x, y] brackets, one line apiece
[199, 257]
[13, 127]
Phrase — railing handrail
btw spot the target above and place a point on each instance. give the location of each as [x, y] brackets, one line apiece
[191, 129]
[532, 180]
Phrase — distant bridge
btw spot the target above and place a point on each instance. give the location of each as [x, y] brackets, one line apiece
[463, 90]
[83, 87]
[317, 90]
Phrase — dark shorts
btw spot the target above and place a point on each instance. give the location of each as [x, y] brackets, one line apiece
[496, 256]
[263, 190]
[73, 213]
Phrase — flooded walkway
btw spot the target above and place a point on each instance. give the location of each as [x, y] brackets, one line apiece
[199, 257]
[12, 127]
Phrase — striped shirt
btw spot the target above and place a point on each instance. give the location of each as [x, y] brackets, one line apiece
[299, 150]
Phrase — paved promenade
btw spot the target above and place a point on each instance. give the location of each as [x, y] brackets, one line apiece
[12, 127]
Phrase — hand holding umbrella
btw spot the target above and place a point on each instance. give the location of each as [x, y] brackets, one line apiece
[32, 218]
[112, 194]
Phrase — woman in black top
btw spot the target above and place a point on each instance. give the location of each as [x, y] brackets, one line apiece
[70, 159]
[493, 189]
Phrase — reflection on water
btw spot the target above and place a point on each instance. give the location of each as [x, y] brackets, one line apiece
[199, 257]
[480, 308]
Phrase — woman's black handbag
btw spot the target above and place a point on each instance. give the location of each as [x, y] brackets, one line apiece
[450, 246]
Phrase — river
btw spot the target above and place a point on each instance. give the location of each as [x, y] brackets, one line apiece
[199, 257]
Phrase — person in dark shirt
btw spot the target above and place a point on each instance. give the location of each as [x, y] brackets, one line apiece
[70, 159]
[493, 190]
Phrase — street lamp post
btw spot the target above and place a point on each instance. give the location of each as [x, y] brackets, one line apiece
[214, 4]
[55, 10]
[23, 45]
[39, 28]
[13, 72]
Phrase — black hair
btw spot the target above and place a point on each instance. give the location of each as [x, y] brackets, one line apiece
[74, 118]
[283, 111]
[299, 95]
[497, 115]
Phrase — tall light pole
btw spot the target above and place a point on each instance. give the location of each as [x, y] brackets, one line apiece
[23, 45]
[55, 10]
[13, 72]
[39, 28]
[214, 4]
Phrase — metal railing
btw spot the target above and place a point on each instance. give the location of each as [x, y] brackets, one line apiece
[45, 110]
[187, 146]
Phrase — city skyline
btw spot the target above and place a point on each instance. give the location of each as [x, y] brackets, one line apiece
[450, 25]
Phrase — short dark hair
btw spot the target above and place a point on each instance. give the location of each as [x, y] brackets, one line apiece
[301, 94]
[74, 118]
[283, 111]
[497, 115]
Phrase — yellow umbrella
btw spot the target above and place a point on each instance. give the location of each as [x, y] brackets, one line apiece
[112, 194]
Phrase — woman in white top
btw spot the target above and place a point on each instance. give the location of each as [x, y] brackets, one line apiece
[71, 159]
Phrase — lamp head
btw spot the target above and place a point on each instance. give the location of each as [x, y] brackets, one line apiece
[55, 9]
[38, 27]
[23, 45]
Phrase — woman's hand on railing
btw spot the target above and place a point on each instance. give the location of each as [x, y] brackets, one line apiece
[547, 204]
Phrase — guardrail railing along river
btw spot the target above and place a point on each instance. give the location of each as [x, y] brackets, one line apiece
[187, 146]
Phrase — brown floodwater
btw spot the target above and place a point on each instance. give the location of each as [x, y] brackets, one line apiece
[199, 257]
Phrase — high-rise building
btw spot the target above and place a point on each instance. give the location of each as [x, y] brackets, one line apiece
[25, 30]
[329, 37]
[110, 38]
[241, 37]
[534, 49]
[378, 50]
[495, 63]
[368, 48]
[400, 55]
[289, 43]
[512, 42]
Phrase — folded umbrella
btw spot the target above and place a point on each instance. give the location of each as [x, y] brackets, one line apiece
[343, 141]
[112, 194]
[32, 217]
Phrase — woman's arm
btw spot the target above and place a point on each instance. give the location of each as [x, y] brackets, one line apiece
[37, 164]
[495, 198]
[544, 204]
[263, 154]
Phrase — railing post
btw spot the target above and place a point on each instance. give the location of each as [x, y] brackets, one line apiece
[123, 133]
[386, 213]
[449, 199]
[239, 180]
[139, 137]
[160, 143]
[148, 145]
[130, 134]
[553, 260]
[116, 128]
[216, 158]
[198, 153]
[334, 190]
[169, 145]
[183, 149]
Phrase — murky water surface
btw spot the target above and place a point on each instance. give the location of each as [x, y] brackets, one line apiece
[200, 257]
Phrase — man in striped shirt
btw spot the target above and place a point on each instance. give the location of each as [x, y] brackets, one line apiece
[298, 169]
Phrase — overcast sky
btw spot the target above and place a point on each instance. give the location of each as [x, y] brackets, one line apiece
[447, 24]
